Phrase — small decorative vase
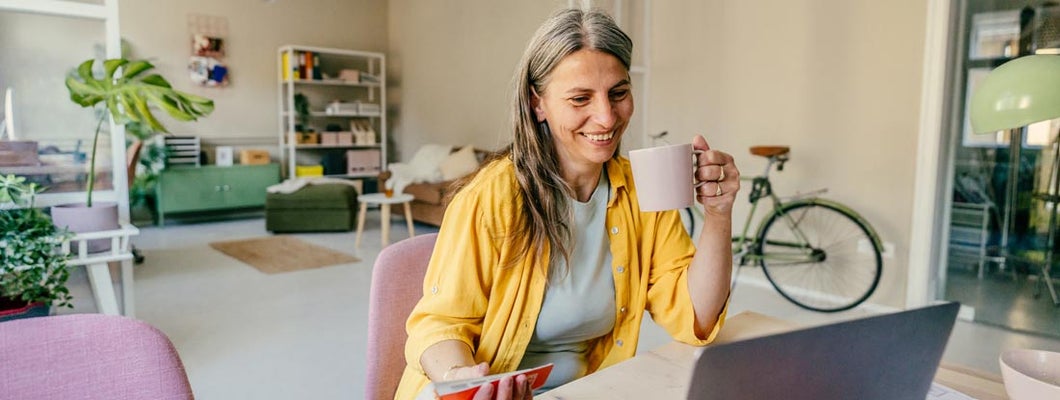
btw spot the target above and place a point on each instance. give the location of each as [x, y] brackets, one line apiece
[79, 218]
[12, 309]
[388, 190]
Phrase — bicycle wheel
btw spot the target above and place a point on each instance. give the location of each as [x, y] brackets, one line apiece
[689, 221]
[820, 256]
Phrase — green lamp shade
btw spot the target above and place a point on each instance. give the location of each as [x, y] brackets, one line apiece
[1018, 93]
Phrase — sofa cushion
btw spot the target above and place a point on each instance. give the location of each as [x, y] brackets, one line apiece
[329, 196]
[431, 193]
[459, 163]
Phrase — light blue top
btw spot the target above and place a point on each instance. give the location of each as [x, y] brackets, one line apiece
[579, 302]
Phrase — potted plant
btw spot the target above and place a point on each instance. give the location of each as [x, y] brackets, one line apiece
[145, 165]
[33, 268]
[128, 93]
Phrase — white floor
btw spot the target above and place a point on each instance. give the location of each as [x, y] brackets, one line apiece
[246, 335]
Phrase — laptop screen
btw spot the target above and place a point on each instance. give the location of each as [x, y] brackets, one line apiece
[891, 356]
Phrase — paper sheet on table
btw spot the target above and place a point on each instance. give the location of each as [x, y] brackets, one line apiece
[940, 392]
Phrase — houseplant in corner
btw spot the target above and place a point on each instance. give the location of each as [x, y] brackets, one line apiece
[128, 92]
[32, 268]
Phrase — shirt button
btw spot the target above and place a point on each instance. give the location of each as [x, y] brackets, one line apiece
[614, 230]
[619, 342]
[434, 290]
[623, 310]
[621, 269]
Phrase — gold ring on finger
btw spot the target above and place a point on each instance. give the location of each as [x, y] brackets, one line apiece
[722, 177]
[718, 192]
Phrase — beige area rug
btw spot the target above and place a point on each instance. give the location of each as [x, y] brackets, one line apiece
[276, 254]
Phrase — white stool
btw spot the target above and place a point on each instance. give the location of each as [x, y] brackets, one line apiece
[384, 206]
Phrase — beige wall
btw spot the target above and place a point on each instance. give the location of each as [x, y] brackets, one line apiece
[246, 110]
[450, 67]
[839, 81]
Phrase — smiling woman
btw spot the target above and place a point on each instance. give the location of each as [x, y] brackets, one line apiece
[587, 106]
[544, 256]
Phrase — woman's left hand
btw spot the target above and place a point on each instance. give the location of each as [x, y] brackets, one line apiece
[717, 176]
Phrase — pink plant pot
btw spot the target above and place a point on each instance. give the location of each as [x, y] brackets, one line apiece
[79, 218]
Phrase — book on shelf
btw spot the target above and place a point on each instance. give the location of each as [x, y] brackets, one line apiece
[308, 75]
[285, 66]
[317, 73]
[301, 65]
[465, 389]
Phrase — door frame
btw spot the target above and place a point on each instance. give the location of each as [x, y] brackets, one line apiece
[930, 183]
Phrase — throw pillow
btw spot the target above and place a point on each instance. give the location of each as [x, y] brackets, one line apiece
[424, 164]
[458, 164]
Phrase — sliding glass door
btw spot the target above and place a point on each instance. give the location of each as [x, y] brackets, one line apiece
[1003, 183]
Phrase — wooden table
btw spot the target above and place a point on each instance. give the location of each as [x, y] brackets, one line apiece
[384, 203]
[665, 372]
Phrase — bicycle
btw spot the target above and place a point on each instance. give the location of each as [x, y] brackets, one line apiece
[818, 253]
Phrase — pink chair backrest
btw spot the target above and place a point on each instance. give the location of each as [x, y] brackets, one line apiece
[397, 284]
[88, 356]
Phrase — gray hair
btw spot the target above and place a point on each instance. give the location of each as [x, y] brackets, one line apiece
[537, 167]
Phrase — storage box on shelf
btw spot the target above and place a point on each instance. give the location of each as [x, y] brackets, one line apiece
[346, 94]
[182, 150]
[308, 170]
[363, 162]
[336, 138]
[253, 157]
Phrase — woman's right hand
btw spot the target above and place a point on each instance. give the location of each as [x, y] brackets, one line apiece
[510, 387]
[475, 371]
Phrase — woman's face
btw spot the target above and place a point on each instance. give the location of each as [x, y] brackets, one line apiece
[587, 103]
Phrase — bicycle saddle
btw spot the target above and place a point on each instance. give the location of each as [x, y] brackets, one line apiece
[770, 151]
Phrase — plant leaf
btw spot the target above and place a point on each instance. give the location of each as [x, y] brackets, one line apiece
[156, 80]
[83, 94]
[171, 106]
[115, 112]
[141, 106]
[85, 70]
[135, 68]
[129, 108]
[111, 66]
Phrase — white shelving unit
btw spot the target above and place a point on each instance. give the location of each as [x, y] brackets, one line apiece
[324, 84]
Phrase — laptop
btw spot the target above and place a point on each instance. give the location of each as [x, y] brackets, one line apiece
[891, 356]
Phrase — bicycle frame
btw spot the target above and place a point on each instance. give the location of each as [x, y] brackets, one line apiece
[747, 249]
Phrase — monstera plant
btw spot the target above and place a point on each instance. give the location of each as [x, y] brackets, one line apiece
[128, 95]
[128, 92]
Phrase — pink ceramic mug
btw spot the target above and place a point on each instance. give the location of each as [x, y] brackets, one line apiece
[663, 176]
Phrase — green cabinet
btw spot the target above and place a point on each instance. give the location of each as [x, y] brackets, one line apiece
[212, 188]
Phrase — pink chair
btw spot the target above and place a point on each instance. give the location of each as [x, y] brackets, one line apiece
[88, 356]
[397, 284]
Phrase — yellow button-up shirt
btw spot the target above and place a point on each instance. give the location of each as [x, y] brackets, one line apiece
[474, 294]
